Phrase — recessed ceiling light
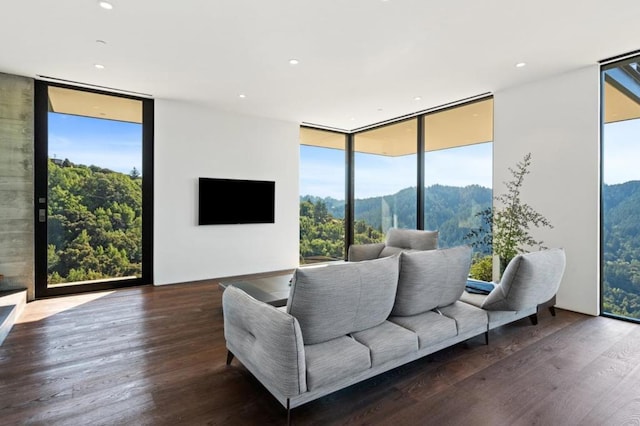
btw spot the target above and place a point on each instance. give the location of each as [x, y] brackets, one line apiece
[417, 98]
[294, 61]
[380, 109]
[105, 5]
[101, 42]
[242, 95]
[521, 64]
[99, 66]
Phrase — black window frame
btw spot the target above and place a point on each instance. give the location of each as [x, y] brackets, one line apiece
[41, 135]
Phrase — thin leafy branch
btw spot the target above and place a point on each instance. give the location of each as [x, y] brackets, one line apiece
[506, 228]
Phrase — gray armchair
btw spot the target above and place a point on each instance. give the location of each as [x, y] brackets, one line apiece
[397, 240]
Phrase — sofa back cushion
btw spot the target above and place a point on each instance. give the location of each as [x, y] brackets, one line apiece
[431, 279]
[336, 300]
[529, 280]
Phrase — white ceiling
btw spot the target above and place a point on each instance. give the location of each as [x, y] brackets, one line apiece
[361, 61]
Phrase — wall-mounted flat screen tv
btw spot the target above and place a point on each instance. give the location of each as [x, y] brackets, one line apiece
[235, 201]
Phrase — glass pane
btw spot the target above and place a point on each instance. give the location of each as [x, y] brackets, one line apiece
[621, 191]
[458, 179]
[94, 228]
[322, 196]
[385, 176]
[457, 187]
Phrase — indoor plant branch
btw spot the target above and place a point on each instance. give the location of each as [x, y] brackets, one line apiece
[510, 220]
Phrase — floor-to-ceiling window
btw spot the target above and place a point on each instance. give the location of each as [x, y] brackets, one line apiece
[322, 195]
[385, 180]
[621, 189]
[458, 172]
[354, 187]
[93, 190]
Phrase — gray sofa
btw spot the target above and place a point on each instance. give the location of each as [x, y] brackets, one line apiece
[348, 322]
[397, 240]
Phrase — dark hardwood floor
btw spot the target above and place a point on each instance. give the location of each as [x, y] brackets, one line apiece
[156, 356]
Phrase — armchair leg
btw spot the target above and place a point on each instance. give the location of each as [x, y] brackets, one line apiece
[288, 413]
[229, 357]
[486, 338]
[552, 309]
[534, 319]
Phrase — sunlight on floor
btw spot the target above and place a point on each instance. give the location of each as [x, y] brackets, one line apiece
[41, 309]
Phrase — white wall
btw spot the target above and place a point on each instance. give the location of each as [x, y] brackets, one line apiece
[191, 142]
[557, 120]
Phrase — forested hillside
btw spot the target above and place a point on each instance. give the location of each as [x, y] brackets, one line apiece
[322, 233]
[621, 248]
[450, 210]
[95, 223]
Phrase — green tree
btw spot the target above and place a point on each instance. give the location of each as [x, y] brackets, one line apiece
[134, 173]
[95, 223]
[482, 268]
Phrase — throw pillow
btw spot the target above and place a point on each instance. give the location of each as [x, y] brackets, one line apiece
[336, 300]
[431, 279]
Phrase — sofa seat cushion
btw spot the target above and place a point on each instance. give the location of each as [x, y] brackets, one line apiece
[431, 327]
[334, 360]
[337, 300]
[430, 279]
[474, 299]
[387, 341]
[495, 318]
[468, 318]
[498, 318]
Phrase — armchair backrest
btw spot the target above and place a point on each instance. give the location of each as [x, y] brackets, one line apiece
[529, 280]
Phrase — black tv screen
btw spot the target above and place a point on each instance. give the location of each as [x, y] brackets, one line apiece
[235, 201]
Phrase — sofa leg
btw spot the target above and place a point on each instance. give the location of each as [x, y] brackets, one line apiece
[229, 357]
[288, 413]
[486, 338]
[534, 319]
[552, 309]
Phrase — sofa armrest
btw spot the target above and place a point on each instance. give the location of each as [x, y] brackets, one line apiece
[358, 252]
[267, 341]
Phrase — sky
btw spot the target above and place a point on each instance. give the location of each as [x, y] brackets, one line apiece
[117, 145]
[114, 145]
[322, 171]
